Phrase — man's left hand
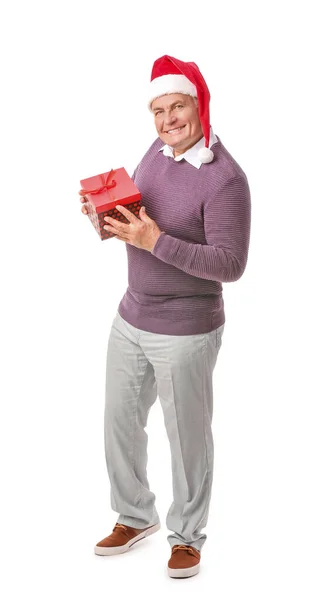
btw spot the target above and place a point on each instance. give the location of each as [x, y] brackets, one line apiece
[141, 232]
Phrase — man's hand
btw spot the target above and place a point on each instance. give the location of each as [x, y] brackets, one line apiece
[83, 209]
[141, 232]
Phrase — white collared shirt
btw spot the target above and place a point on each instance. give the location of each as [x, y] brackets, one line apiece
[191, 155]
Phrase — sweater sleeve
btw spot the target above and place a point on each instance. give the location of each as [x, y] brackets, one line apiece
[227, 220]
[134, 173]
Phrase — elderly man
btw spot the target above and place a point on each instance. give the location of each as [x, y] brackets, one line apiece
[193, 234]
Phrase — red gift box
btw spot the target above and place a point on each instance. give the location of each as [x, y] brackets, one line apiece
[104, 192]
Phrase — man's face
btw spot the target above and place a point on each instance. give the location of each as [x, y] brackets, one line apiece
[177, 121]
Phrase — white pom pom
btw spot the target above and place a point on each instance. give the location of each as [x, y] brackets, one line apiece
[205, 155]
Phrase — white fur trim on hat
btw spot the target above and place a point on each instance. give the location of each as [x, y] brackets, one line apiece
[170, 84]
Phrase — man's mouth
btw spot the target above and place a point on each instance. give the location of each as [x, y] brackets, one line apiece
[173, 131]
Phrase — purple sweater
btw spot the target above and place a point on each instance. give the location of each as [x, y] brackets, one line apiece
[205, 217]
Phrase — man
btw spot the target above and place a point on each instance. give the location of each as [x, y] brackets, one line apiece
[193, 234]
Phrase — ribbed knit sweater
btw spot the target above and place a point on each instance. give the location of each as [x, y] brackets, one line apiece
[204, 215]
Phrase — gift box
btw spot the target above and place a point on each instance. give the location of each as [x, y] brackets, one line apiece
[104, 192]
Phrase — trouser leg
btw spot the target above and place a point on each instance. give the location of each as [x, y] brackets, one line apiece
[131, 390]
[183, 368]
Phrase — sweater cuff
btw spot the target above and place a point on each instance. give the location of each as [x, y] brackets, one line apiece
[159, 244]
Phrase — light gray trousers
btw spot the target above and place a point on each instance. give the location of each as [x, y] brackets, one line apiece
[177, 368]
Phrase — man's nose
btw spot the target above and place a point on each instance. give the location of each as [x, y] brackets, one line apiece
[170, 118]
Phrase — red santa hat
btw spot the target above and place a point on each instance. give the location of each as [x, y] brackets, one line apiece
[172, 76]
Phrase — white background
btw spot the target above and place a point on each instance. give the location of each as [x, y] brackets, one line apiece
[73, 104]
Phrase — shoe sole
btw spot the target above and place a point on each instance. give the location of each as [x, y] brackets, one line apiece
[110, 550]
[184, 572]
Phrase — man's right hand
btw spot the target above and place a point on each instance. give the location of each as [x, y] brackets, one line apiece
[83, 209]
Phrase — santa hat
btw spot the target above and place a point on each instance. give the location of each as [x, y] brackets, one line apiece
[172, 76]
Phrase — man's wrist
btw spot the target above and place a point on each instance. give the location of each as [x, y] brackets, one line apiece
[156, 239]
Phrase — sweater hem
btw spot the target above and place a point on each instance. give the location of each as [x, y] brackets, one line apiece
[193, 325]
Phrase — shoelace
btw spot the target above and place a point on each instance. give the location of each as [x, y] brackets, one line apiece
[123, 527]
[184, 547]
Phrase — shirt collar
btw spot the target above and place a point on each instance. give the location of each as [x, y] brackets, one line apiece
[191, 155]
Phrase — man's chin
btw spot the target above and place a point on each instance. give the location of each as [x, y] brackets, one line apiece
[176, 143]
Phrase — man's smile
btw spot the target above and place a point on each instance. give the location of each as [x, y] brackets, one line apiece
[173, 131]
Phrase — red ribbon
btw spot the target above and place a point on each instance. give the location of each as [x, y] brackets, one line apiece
[105, 185]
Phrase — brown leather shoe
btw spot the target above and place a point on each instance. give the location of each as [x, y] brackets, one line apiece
[184, 561]
[122, 539]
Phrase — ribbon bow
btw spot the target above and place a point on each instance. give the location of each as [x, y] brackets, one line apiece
[105, 185]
